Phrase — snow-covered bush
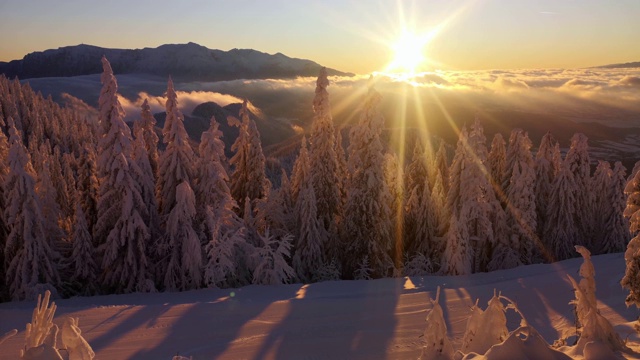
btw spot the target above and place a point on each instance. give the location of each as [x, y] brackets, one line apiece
[437, 343]
[40, 335]
[485, 328]
[272, 267]
[72, 340]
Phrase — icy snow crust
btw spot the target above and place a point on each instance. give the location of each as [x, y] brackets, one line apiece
[375, 319]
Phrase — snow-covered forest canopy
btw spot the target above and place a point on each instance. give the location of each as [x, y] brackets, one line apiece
[104, 208]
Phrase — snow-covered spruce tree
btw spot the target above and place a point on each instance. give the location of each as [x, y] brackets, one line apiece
[323, 160]
[120, 230]
[496, 163]
[440, 214]
[227, 239]
[477, 196]
[578, 161]
[415, 182]
[308, 254]
[437, 343]
[631, 279]
[616, 227]
[595, 327]
[248, 179]
[521, 202]
[454, 199]
[343, 174]
[442, 163]
[184, 263]
[272, 267]
[176, 164]
[457, 258]
[300, 174]
[142, 173]
[29, 258]
[601, 202]
[394, 195]
[88, 185]
[212, 189]
[561, 234]
[50, 210]
[546, 165]
[365, 230]
[83, 255]
[147, 122]
[4, 153]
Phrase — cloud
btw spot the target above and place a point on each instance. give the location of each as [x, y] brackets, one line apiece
[187, 101]
[632, 81]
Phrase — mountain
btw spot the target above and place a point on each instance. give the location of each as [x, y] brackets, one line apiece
[635, 64]
[185, 62]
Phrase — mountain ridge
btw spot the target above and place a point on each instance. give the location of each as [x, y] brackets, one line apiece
[182, 61]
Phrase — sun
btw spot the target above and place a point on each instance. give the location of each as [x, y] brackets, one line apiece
[408, 53]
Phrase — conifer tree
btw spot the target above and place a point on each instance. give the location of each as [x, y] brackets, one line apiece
[120, 231]
[616, 227]
[248, 179]
[49, 207]
[323, 160]
[83, 255]
[521, 206]
[364, 230]
[148, 123]
[88, 186]
[497, 162]
[184, 265]
[442, 164]
[4, 153]
[301, 171]
[308, 254]
[142, 174]
[176, 163]
[457, 258]
[546, 167]
[601, 187]
[578, 161]
[29, 258]
[561, 234]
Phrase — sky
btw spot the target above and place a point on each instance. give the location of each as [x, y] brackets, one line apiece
[355, 36]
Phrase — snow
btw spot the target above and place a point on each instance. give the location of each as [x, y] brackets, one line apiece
[371, 319]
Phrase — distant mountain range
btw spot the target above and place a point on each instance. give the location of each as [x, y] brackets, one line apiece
[635, 64]
[184, 62]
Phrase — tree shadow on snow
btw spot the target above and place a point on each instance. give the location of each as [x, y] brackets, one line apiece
[336, 320]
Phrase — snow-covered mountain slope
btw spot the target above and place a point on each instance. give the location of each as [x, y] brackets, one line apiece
[379, 319]
[183, 61]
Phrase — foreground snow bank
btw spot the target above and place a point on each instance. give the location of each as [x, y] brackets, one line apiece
[375, 319]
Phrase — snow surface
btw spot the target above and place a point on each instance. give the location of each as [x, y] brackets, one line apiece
[372, 319]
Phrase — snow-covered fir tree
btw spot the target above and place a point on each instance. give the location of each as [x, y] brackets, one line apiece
[142, 173]
[309, 246]
[83, 255]
[631, 279]
[323, 160]
[520, 196]
[272, 266]
[442, 163]
[457, 258]
[4, 153]
[248, 179]
[437, 343]
[578, 161]
[29, 258]
[176, 165]
[120, 231]
[88, 185]
[478, 199]
[561, 234]
[616, 227]
[454, 194]
[497, 163]
[147, 122]
[365, 230]
[301, 173]
[601, 202]
[49, 206]
[546, 165]
[184, 263]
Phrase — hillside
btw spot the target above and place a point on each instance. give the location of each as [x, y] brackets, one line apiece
[182, 61]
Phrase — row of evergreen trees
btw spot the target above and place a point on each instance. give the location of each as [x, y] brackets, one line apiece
[96, 208]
